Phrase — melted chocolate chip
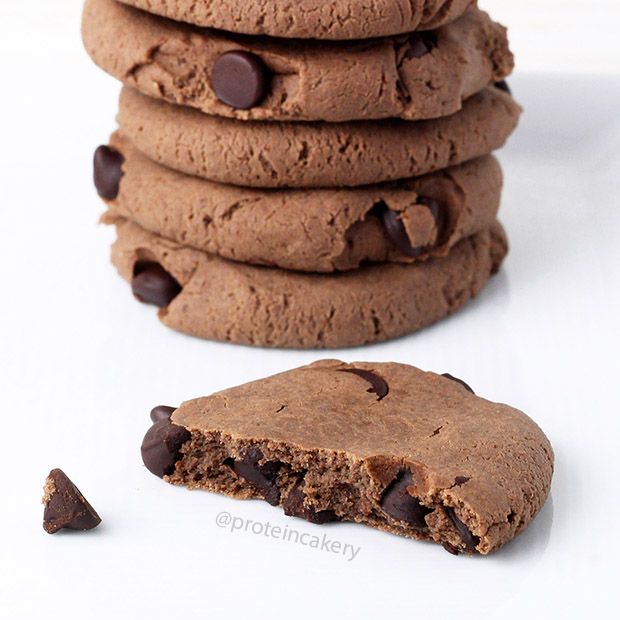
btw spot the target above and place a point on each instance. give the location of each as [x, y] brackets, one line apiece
[162, 412]
[459, 480]
[161, 447]
[152, 284]
[294, 506]
[378, 385]
[262, 477]
[108, 171]
[240, 79]
[396, 232]
[459, 381]
[399, 504]
[65, 506]
[469, 540]
[503, 85]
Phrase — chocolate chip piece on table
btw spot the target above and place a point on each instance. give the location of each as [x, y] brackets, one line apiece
[469, 540]
[399, 504]
[152, 284]
[378, 385]
[262, 477]
[108, 171]
[161, 447]
[294, 506]
[460, 381]
[240, 79]
[162, 412]
[65, 506]
[396, 232]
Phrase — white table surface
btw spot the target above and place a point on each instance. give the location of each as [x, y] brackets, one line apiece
[81, 364]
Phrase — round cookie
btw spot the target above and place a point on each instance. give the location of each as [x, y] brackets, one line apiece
[416, 76]
[311, 19]
[233, 302]
[309, 230]
[259, 154]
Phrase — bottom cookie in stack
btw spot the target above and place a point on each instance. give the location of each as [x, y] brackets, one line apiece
[214, 298]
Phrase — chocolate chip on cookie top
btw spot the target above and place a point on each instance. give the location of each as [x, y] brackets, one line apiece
[240, 79]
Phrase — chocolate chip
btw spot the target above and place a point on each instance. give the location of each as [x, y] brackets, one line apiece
[152, 284]
[240, 79]
[470, 541]
[378, 385]
[108, 171]
[459, 480]
[399, 504]
[65, 506]
[162, 412]
[397, 233]
[450, 548]
[503, 85]
[262, 477]
[161, 447]
[419, 44]
[294, 506]
[459, 381]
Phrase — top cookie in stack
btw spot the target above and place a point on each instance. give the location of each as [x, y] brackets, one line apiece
[287, 180]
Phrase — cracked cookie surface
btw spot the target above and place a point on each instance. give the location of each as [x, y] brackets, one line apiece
[428, 460]
[403, 77]
[259, 154]
[321, 230]
[244, 304]
[310, 19]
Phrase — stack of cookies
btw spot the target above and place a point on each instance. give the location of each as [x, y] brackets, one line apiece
[310, 174]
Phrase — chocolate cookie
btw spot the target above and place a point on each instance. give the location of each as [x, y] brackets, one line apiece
[311, 19]
[384, 444]
[259, 154]
[213, 298]
[412, 77]
[310, 230]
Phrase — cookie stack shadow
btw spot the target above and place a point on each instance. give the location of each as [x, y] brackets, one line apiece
[308, 181]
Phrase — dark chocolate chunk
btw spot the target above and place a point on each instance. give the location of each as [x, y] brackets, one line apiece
[459, 480]
[378, 385]
[240, 79]
[294, 506]
[262, 477]
[162, 412]
[460, 381]
[396, 232]
[108, 171]
[470, 541]
[419, 44]
[503, 85]
[450, 548]
[399, 504]
[152, 284]
[161, 447]
[65, 506]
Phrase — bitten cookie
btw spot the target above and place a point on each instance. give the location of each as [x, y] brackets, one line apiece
[311, 19]
[416, 76]
[259, 154]
[213, 298]
[384, 444]
[308, 230]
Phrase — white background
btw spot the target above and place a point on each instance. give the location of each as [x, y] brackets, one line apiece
[81, 364]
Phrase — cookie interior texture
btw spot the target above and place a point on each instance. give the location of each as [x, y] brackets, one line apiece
[421, 457]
